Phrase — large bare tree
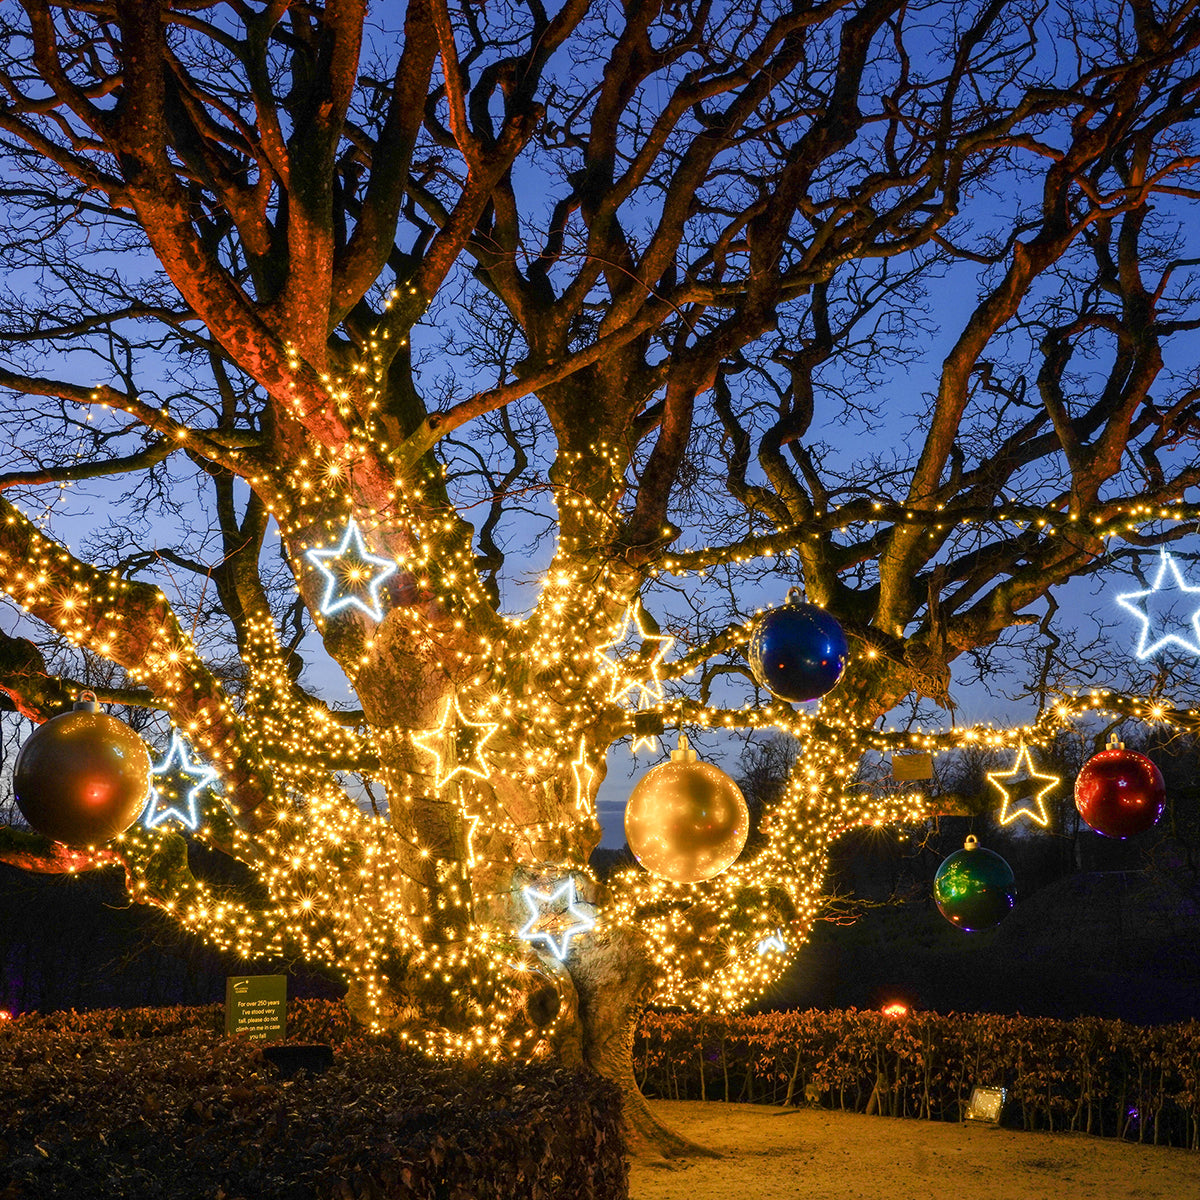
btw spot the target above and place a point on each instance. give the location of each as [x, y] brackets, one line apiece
[605, 323]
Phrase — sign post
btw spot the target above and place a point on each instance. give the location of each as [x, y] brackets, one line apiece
[256, 1005]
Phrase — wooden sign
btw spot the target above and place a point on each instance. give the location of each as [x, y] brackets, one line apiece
[907, 767]
[256, 1006]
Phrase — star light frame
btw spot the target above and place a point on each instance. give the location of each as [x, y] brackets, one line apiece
[1022, 809]
[1125, 600]
[205, 777]
[539, 903]
[773, 941]
[649, 689]
[584, 774]
[331, 602]
[482, 772]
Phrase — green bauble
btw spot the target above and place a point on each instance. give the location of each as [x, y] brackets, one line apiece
[974, 888]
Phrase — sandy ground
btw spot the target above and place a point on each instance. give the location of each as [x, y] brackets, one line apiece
[807, 1154]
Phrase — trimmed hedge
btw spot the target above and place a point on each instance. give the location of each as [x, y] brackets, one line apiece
[156, 1104]
[1098, 1076]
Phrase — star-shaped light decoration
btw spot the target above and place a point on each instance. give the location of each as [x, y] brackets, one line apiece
[773, 941]
[472, 819]
[177, 762]
[470, 737]
[551, 923]
[353, 575]
[647, 682]
[584, 774]
[1023, 797]
[1169, 603]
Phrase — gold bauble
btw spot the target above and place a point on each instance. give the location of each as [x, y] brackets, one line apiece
[686, 820]
[82, 777]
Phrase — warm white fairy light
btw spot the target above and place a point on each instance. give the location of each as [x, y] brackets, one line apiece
[545, 698]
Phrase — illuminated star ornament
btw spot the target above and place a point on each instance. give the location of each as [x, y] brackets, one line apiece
[1169, 611]
[1023, 797]
[552, 924]
[584, 775]
[647, 683]
[353, 575]
[773, 941]
[178, 762]
[470, 737]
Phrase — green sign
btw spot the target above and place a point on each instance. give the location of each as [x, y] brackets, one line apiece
[256, 1005]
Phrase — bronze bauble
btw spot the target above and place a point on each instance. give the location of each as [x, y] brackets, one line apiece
[82, 777]
[686, 820]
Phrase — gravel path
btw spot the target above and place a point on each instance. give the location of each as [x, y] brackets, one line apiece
[810, 1154]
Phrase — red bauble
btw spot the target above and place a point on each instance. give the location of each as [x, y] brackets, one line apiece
[82, 777]
[1119, 792]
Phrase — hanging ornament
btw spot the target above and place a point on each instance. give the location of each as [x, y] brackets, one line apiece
[686, 820]
[82, 777]
[797, 651]
[974, 888]
[1119, 792]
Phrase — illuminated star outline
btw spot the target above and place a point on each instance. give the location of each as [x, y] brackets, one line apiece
[1022, 807]
[205, 777]
[539, 903]
[649, 689]
[331, 602]
[436, 735]
[584, 773]
[1126, 601]
[472, 820]
[773, 941]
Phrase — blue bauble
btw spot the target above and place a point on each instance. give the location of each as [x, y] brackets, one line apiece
[797, 652]
[974, 888]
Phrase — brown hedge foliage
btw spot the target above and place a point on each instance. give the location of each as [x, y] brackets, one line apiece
[1099, 1076]
[156, 1104]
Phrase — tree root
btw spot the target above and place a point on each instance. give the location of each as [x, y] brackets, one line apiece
[649, 1140]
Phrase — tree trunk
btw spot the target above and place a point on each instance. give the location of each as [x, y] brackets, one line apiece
[613, 979]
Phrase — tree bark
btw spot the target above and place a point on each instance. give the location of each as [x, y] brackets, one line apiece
[613, 979]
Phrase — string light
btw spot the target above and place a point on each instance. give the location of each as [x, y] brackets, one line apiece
[539, 700]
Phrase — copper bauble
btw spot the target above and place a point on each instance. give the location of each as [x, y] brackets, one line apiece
[686, 820]
[82, 777]
[1119, 792]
